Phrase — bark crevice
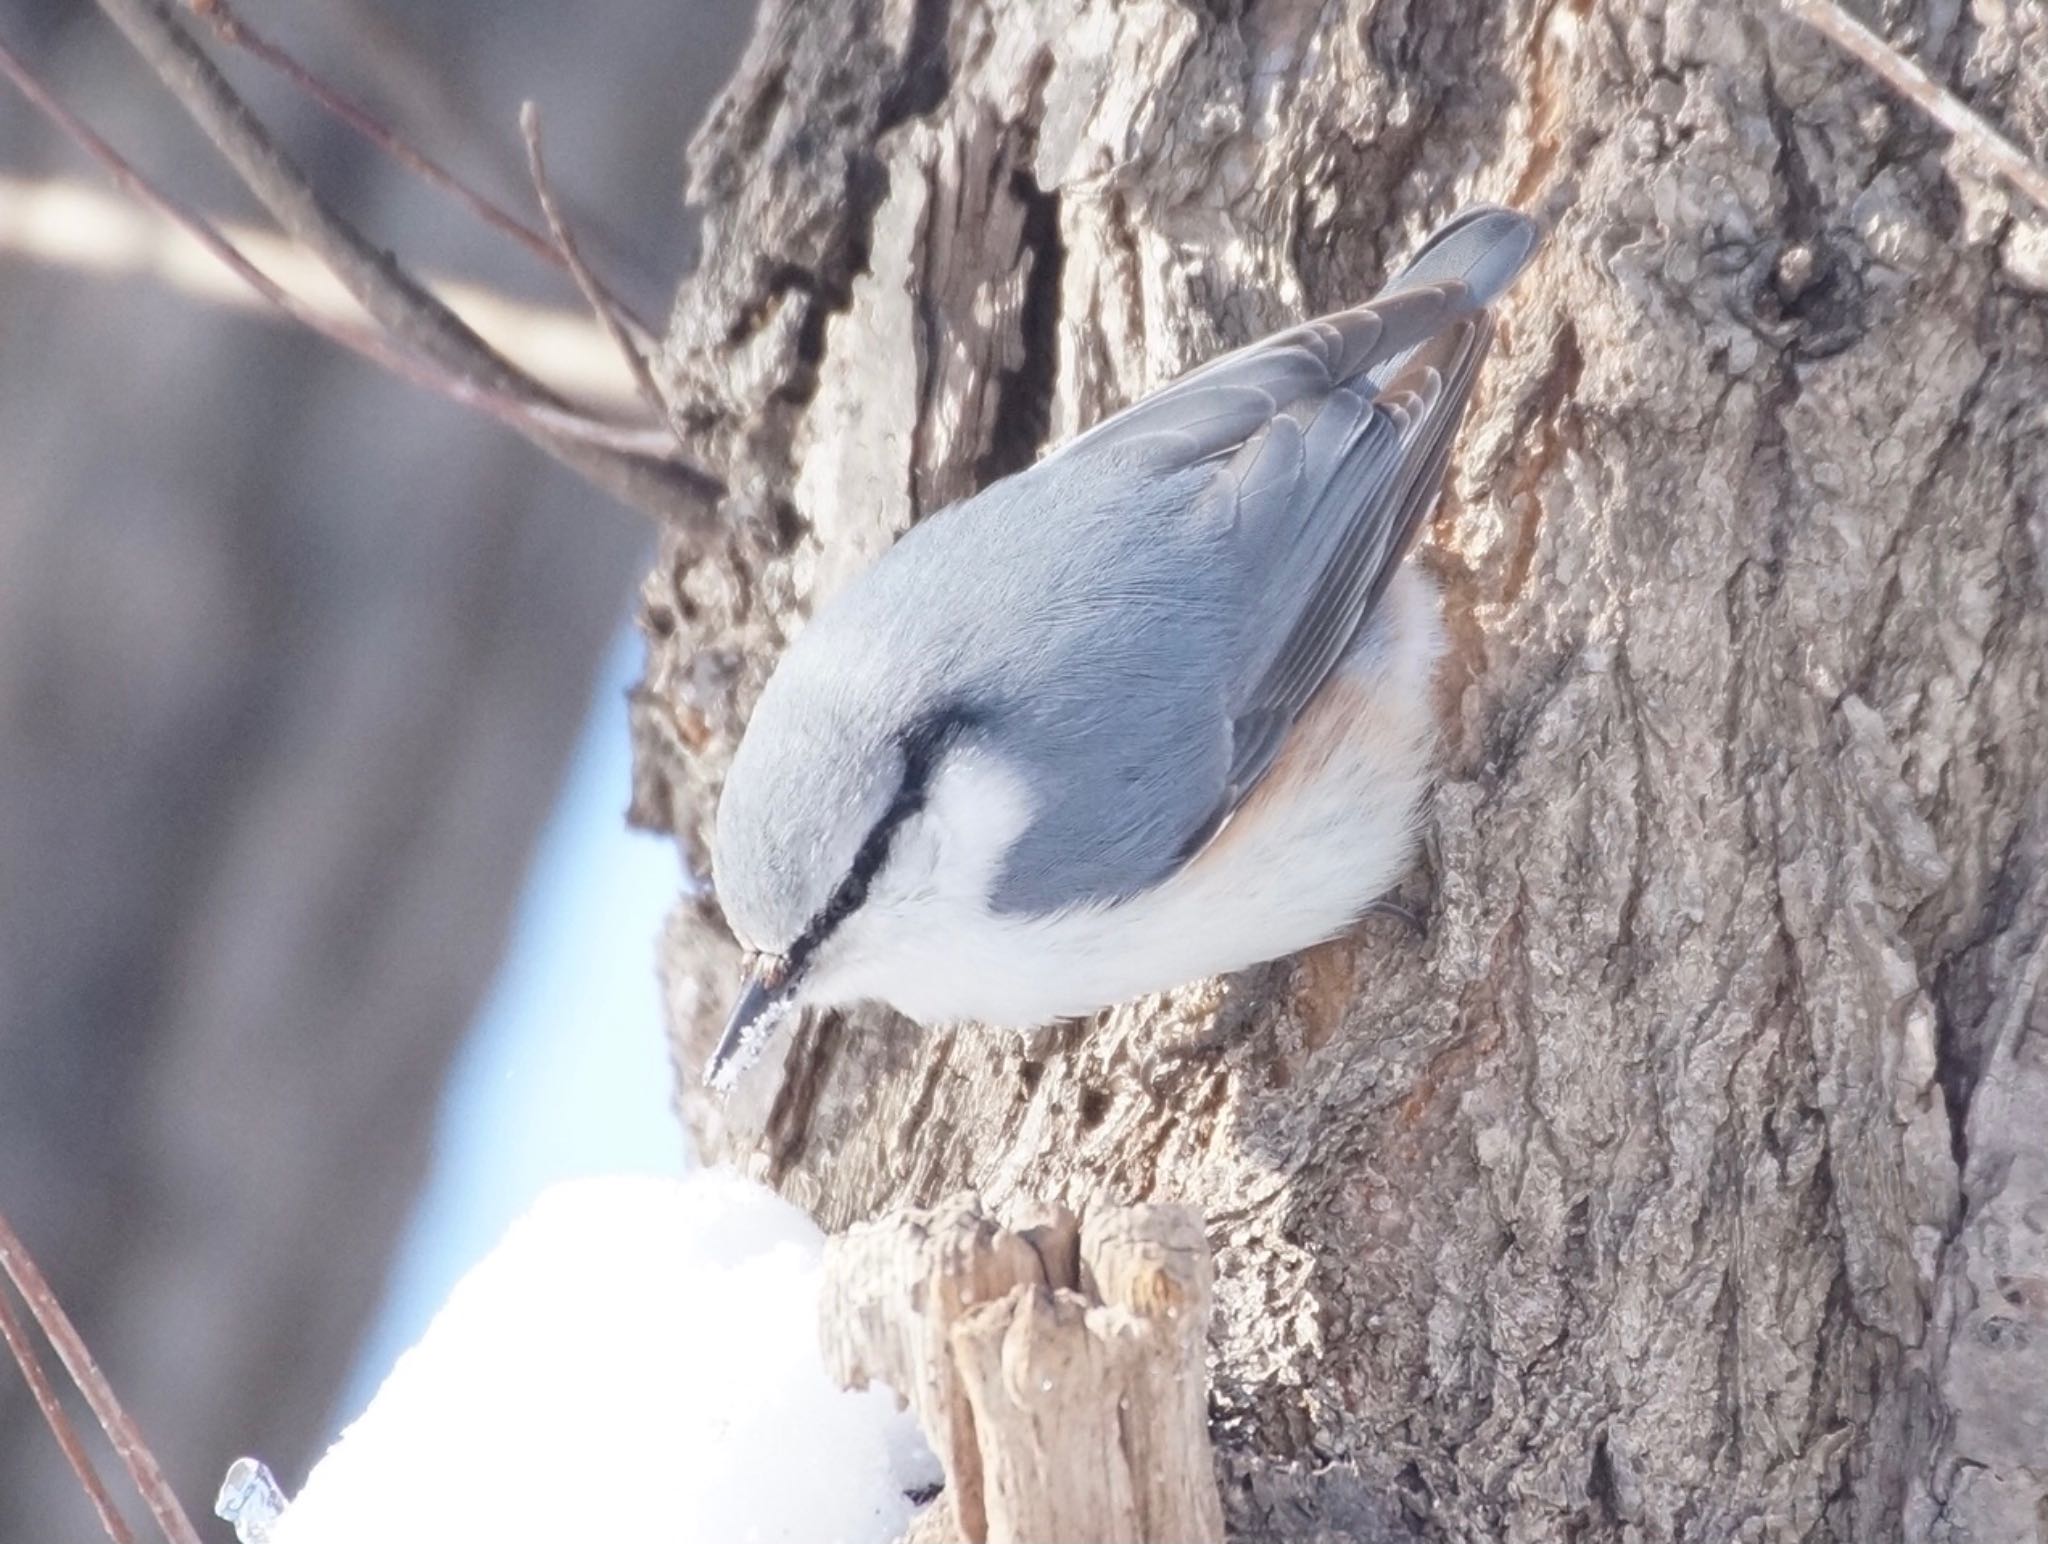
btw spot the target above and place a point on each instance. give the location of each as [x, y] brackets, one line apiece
[1663, 1187]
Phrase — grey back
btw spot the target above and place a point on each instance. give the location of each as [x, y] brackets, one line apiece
[1138, 620]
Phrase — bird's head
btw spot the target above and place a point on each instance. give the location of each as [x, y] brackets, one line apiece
[838, 834]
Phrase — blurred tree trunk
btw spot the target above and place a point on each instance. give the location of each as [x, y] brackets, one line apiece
[292, 660]
[1684, 1178]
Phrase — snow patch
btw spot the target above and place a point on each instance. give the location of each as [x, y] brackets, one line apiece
[637, 1360]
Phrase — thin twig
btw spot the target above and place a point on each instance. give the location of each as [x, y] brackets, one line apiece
[398, 303]
[15, 1333]
[1997, 153]
[79, 225]
[446, 112]
[538, 418]
[231, 28]
[393, 54]
[599, 297]
[63, 1336]
[663, 486]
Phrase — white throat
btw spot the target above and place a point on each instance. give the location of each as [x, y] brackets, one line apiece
[914, 944]
[1328, 833]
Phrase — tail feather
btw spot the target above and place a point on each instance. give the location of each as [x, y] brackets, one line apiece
[1485, 245]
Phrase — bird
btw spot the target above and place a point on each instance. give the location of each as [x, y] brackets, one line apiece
[1151, 710]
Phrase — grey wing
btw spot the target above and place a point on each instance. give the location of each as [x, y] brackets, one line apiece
[1338, 500]
[1462, 268]
[1307, 461]
[1330, 442]
[1212, 411]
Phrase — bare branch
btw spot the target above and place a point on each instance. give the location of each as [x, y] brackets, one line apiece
[1992, 149]
[540, 420]
[78, 225]
[384, 289]
[389, 50]
[231, 28]
[407, 311]
[15, 1333]
[133, 1452]
[599, 297]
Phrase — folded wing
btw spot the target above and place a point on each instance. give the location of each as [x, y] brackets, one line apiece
[1329, 444]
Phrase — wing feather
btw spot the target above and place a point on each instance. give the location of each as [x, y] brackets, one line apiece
[1211, 411]
[1301, 467]
[1370, 477]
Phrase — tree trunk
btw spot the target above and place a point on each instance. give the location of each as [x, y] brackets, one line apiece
[1680, 1177]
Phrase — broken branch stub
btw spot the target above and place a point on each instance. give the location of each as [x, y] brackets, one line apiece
[893, 1290]
[1062, 1408]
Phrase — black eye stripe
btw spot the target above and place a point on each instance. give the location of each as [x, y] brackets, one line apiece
[921, 747]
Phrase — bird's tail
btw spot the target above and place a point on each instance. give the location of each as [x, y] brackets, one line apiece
[1486, 245]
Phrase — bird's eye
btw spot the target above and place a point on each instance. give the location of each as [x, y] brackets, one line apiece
[921, 749]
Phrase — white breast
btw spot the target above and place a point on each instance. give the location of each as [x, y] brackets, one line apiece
[1327, 832]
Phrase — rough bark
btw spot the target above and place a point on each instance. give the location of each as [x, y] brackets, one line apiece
[1682, 1179]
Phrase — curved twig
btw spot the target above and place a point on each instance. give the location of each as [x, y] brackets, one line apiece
[408, 312]
[537, 419]
[229, 26]
[600, 298]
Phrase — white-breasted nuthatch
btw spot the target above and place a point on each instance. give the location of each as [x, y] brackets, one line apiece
[1152, 710]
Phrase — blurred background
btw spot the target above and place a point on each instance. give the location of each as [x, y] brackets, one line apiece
[322, 943]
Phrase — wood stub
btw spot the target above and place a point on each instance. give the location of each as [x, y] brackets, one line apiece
[1150, 1269]
[1057, 1370]
[893, 1290]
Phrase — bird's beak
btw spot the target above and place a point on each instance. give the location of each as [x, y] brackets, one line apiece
[764, 998]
